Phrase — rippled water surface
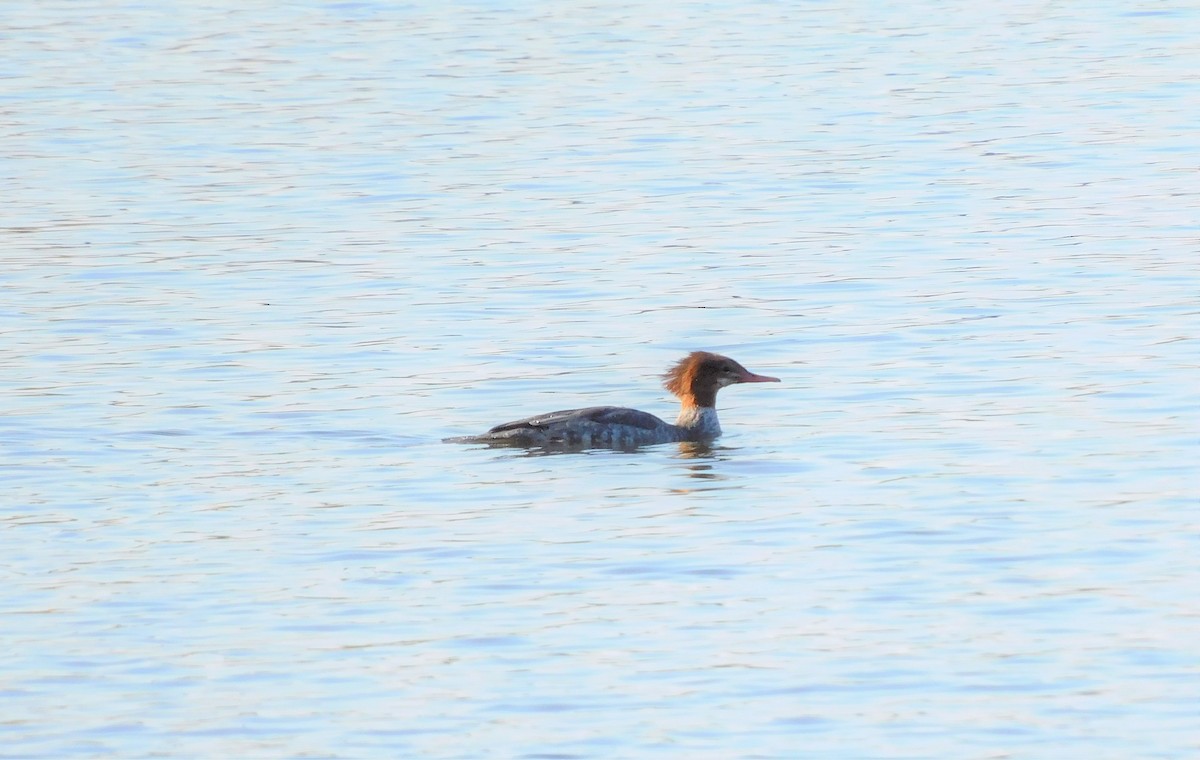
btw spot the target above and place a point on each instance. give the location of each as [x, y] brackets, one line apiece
[259, 260]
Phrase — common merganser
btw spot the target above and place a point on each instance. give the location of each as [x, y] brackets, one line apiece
[695, 380]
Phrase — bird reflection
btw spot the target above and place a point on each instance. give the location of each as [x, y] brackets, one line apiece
[697, 450]
[704, 452]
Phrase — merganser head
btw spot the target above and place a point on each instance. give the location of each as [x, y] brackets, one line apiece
[697, 377]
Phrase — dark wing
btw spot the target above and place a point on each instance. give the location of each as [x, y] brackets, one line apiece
[619, 415]
[603, 415]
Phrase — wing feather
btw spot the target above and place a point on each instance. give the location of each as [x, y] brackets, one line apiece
[603, 415]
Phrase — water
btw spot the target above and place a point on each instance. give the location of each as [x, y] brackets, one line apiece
[259, 261]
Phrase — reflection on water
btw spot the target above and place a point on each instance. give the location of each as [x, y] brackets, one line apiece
[683, 450]
[261, 258]
[700, 450]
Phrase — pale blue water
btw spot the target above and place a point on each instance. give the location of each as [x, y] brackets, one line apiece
[259, 261]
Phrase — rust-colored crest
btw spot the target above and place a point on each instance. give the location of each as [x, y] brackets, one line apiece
[680, 379]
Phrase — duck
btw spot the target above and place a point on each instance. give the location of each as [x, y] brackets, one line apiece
[694, 380]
